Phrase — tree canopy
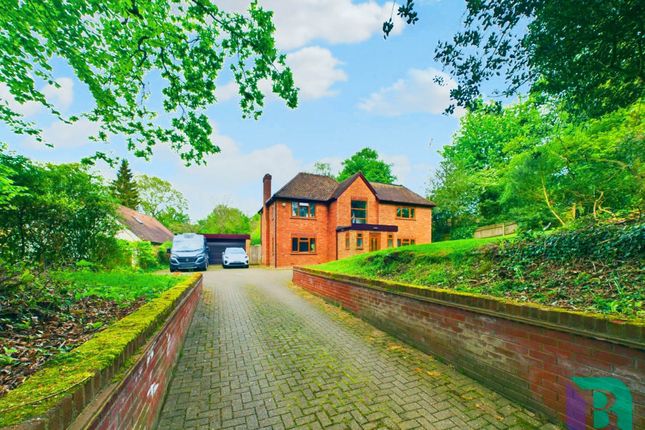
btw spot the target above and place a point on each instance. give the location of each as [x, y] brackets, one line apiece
[367, 161]
[115, 47]
[61, 215]
[533, 164]
[162, 201]
[588, 55]
[224, 219]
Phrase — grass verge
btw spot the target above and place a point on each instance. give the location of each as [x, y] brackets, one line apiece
[123, 287]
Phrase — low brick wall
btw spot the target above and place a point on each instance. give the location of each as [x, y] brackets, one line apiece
[126, 388]
[137, 400]
[526, 352]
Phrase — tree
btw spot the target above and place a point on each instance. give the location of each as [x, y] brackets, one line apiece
[256, 229]
[593, 169]
[225, 220]
[367, 162]
[8, 189]
[62, 215]
[534, 164]
[124, 187]
[114, 46]
[589, 55]
[323, 169]
[159, 199]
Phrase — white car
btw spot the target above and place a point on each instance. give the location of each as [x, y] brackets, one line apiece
[235, 257]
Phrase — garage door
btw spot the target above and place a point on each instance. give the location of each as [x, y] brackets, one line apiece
[216, 247]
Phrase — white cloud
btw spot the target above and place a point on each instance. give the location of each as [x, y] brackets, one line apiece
[315, 71]
[61, 97]
[27, 109]
[233, 176]
[66, 136]
[227, 91]
[300, 22]
[416, 93]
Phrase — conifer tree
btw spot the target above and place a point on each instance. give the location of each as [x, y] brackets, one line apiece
[124, 187]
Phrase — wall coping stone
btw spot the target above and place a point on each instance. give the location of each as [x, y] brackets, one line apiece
[626, 332]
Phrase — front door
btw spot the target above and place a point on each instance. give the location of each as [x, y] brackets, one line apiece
[375, 242]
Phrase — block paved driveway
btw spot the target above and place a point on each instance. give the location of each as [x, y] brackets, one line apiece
[263, 354]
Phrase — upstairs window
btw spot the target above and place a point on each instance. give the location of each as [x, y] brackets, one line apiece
[359, 212]
[303, 245]
[405, 212]
[303, 210]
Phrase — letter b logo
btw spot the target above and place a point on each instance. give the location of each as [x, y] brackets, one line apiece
[610, 396]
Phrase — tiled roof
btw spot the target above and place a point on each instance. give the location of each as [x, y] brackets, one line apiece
[399, 194]
[143, 226]
[307, 186]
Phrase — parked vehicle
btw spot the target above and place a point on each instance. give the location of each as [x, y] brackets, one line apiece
[188, 252]
[235, 257]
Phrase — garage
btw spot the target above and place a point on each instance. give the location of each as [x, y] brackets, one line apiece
[217, 243]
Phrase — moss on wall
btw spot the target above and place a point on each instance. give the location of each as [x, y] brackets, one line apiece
[47, 387]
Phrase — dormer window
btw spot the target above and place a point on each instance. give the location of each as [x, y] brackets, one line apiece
[303, 210]
[359, 212]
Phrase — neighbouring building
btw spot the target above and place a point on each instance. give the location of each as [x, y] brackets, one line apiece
[314, 219]
[137, 227]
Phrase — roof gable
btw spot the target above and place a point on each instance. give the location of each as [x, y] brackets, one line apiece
[343, 186]
[144, 226]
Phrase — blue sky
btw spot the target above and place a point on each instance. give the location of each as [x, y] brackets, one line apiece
[357, 90]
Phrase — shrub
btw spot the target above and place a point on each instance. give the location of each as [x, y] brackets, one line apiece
[145, 255]
[162, 254]
[27, 294]
[607, 243]
[63, 214]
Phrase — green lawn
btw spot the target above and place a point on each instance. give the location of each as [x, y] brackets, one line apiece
[549, 269]
[389, 262]
[122, 287]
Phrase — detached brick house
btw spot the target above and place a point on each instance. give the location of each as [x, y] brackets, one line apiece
[314, 219]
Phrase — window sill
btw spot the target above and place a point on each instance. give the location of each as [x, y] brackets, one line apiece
[304, 253]
[405, 219]
[304, 217]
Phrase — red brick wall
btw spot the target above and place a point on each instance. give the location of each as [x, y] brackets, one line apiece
[288, 227]
[418, 228]
[265, 235]
[528, 363]
[357, 191]
[138, 400]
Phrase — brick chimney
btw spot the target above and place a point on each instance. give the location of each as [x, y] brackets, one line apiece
[267, 188]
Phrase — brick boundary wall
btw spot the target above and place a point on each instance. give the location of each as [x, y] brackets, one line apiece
[136, 401]
[526, 352]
